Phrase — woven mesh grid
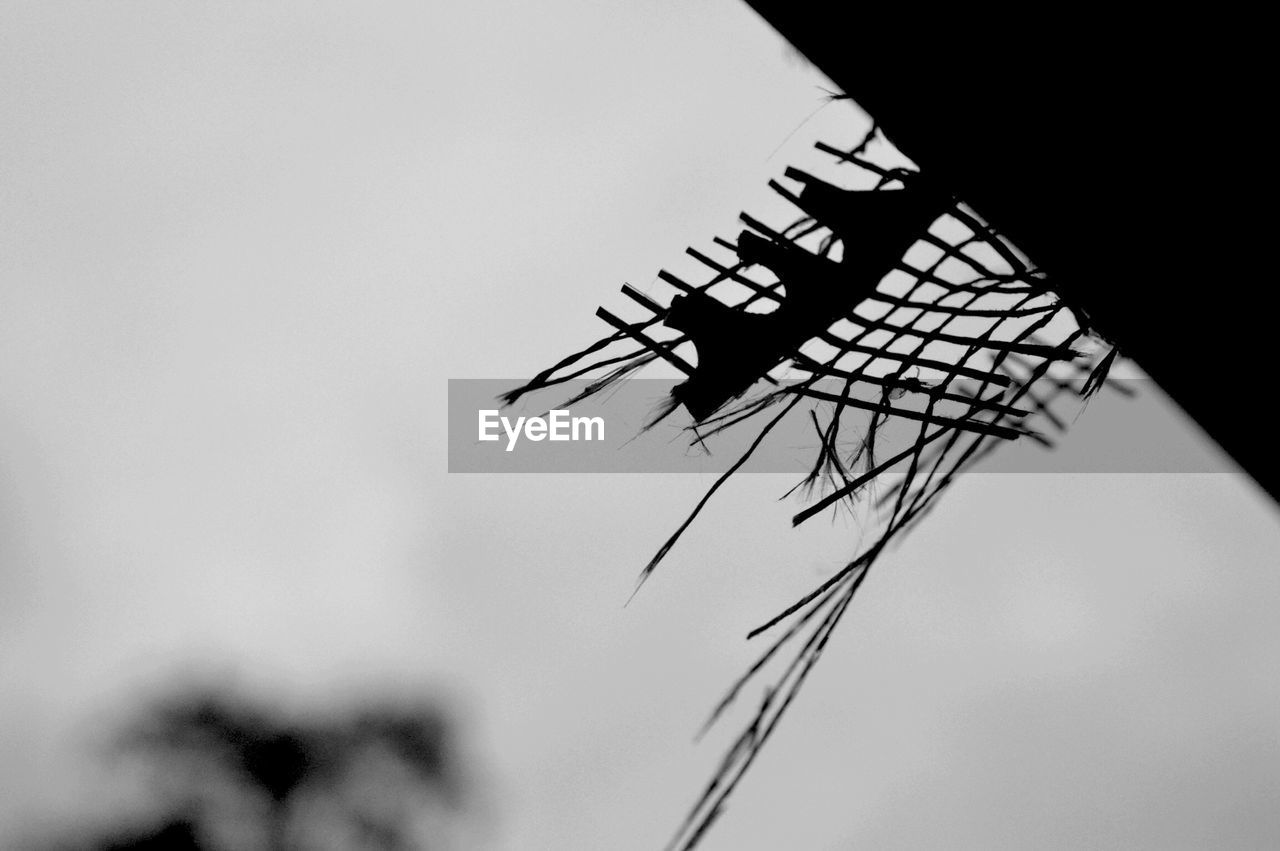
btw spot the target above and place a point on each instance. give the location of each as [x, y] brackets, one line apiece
[956, 335]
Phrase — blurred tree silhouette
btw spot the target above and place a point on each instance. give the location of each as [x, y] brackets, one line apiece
[231, 774]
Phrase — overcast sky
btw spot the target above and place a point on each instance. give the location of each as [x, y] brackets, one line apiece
[242, 248]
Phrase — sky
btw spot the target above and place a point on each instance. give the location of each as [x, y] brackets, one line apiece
[244, 246]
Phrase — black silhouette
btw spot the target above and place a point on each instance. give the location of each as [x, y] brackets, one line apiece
[1122, 151]
[969, 349]
[736, 348]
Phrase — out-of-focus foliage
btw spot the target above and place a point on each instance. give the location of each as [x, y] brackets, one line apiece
[229, 773]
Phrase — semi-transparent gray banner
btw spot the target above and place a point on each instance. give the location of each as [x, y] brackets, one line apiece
[1128, 427]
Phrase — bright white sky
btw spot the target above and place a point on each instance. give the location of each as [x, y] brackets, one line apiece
[243, 246]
